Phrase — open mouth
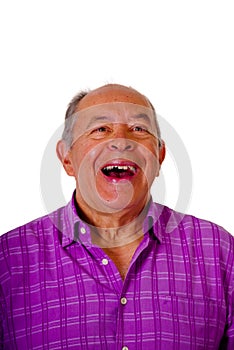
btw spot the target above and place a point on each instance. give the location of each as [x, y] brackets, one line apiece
[116, 171]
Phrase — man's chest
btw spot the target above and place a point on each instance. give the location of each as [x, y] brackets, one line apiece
[83, 303]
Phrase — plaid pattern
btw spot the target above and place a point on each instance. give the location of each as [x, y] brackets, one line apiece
[57, 292]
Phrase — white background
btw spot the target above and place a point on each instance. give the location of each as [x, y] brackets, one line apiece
[178, 53]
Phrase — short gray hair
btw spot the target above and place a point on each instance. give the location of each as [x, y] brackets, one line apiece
[71, 116]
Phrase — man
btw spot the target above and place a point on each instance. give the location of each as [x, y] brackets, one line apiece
[112, 269]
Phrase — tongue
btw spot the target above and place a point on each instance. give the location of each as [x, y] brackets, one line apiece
[119, 173]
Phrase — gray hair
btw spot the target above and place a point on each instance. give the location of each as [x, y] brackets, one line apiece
[71, 116]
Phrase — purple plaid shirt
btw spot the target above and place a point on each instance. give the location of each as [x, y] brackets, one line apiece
[58, 291]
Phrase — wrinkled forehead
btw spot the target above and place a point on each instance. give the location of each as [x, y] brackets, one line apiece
[114, 112]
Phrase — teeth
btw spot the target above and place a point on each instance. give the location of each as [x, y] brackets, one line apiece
[120, 167]
[132, 168]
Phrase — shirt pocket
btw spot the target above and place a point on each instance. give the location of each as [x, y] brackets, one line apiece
[196, 322]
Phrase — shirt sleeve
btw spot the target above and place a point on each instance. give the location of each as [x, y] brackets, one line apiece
[228, 338]
[1, 319]
[3, 273]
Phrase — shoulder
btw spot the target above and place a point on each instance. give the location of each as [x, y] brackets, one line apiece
[32, 228]
[24, 248]
[29, 235]
[194, 230]
[207, 245]
[173, 219]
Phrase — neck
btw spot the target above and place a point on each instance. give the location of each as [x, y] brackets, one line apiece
[114, 230]
[117, 237]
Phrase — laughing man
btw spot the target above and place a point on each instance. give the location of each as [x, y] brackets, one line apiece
[112, 269]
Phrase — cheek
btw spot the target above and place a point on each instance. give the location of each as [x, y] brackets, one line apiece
[84, 157]
[149, 152]
[76, 161]
[152, 164]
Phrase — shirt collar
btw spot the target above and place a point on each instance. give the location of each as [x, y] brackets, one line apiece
[163, 221]
[68, 222]
[72, 227]
[153, 220]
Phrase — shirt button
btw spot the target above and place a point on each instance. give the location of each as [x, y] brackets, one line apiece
[124, 348]
[105, 261]
[123, 302]
[83, 230]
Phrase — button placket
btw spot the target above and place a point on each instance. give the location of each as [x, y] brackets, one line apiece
[105, 261]
[82, 230]
[123, 301]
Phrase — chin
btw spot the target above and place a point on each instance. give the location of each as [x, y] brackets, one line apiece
[123, 201]
[120, 198]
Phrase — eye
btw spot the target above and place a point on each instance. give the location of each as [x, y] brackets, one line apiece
[101, 129]
[139, 129]
[100, 132]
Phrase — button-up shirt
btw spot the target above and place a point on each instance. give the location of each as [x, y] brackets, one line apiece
[60, 291]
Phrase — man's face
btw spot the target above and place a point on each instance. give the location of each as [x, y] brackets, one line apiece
[115, 153]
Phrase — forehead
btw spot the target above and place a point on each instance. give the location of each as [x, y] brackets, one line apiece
[115, 112]
[112, 93]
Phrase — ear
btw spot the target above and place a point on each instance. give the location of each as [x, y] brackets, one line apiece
[162, 151]
[64, 155]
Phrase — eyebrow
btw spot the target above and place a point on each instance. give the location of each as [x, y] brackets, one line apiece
[95, 119]
[142, 116]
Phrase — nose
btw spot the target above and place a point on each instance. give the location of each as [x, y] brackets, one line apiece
[121, 144]
[120, 141]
